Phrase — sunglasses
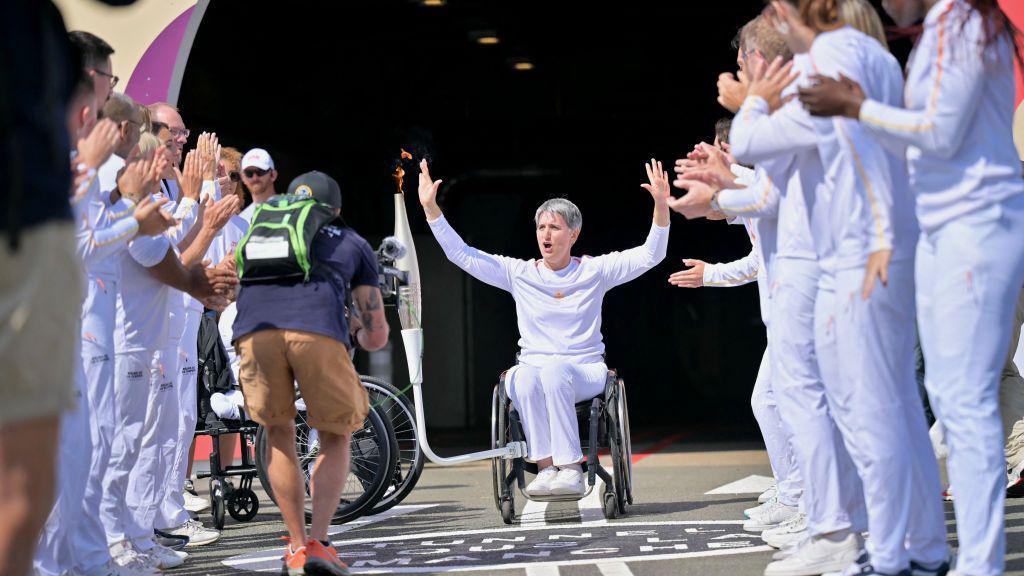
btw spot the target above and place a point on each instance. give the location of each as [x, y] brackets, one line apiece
[234, 176]
[254, 172]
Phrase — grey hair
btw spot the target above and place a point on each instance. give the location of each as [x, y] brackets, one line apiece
[564, 208]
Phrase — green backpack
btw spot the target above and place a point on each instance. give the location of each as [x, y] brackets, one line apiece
[277, 245]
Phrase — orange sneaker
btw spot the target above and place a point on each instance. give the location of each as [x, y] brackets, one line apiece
[323, 560]
[294, 561]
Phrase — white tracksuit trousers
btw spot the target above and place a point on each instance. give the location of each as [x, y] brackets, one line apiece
[776, 434]
[802, 354]
[969, 274]
[147, 484]
[172, 511]
[55, 554]
[876, 406]
[546, 398]
[135, 373]
[98, 323]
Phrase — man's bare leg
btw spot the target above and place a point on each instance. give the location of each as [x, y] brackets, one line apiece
[286, 480]
[27, 480]
[328, 480]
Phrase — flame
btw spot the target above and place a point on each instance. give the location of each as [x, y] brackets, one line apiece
[399, 173]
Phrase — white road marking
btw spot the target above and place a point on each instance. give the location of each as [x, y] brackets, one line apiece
[614, 569]
[400, 510]
[542, 570]
[750, 485]
[591, 507]
[534, 513]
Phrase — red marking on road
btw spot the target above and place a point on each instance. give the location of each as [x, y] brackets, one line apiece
[659, 446]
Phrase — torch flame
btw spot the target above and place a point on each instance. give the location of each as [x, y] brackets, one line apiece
[399, 173]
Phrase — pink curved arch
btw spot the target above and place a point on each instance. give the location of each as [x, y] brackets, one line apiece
[157, 77]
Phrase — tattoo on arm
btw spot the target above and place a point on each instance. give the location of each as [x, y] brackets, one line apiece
[367, 308]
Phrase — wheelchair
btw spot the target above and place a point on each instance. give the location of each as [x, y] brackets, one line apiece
[603, 424]
[240, 502]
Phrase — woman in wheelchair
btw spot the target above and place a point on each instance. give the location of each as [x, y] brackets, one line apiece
[558, 307]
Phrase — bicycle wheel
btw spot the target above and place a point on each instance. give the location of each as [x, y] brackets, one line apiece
[399, 409]
[372, 459]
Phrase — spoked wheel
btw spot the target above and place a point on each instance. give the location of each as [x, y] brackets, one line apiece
[497, 477]
[409, 465]
[505, 495]
[217, 502]
[624, 477]
[372, 463]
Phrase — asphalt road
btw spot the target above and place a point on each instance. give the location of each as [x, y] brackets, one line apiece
[449, 523]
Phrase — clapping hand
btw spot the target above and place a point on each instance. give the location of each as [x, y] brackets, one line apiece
[769, 80]
[191, 178]
[658, 178]
[96, 148]
[690, 277]
[831, 97]
[732, 90]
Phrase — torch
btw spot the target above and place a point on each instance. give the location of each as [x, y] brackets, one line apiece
[409, 314]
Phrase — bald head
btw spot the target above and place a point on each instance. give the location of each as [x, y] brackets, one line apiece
[169, 116]
[123, 111]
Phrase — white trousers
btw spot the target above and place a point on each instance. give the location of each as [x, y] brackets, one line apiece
[134, 374]
[969, 274]
[98, 323]
[877, 408]
[546, 398]
[54, 552]
[777, 435]
[803, 353]
[172, 511]
[147, 484]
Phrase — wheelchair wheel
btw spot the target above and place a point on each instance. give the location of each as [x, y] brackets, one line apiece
[496, 477]
[372, 461]
[620, 493]
[504, 494]
[627, 443]
[399, 410]
[217, 502]
[243, 504]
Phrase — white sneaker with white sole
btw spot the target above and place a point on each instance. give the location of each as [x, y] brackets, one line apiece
[196, 504]
[198, 535]
[749, 512]
[819, 555]
[112, 568]
[165, 557]
[568, 482]
[130, 560]
[541, 485]
[774, 514]
[793, 530]
[769, 494]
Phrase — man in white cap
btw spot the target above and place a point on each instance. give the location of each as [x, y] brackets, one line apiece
[258, 175]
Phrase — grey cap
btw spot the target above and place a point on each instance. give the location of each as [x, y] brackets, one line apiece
[317, 185]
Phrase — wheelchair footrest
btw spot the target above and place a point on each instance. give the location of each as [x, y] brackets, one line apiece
[559, 497]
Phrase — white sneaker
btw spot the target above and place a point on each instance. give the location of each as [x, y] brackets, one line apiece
[771, 516]
[791, 531]
[818, 556]
[541, 485]
[111, 568]
[750, 512]
[198, 535]
[130, 560]
[568, 482]
[165, 557]
[769, 494]
[195, 504]
[789, 548]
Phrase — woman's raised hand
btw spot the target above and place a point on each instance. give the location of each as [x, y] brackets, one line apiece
[428, 192]
[769, 80]
[658, 178]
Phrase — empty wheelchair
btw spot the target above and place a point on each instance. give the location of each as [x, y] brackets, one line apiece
[603, 424]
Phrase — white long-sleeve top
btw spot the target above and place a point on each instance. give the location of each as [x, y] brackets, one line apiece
[558, 312]
[102, 231]
[784, 145]
[757, 203]
[957, 117]
[735, 273]
[872, 207]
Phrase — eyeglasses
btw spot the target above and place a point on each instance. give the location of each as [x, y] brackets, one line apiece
[234, 176]
[113, 79]
[179, 132]
[254, 172]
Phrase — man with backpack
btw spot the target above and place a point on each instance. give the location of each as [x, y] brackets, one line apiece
[295, 265]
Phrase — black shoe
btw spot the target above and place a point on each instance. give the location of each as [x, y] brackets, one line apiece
[1015, 489]
[172, 541]
[864, 568]
[919, 570]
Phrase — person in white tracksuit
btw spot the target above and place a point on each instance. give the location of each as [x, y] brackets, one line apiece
[101, 235]
[956, 126]
[874, 400]
[558, 306]
[785, 144]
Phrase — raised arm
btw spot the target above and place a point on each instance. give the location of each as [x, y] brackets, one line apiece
[487, 268]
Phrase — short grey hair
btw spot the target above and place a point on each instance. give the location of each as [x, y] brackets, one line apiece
[564, 208]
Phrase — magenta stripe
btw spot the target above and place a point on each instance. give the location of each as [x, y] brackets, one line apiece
[152, 77]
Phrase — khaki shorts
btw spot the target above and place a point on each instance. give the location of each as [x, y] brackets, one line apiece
[40, 322]
[273, 360]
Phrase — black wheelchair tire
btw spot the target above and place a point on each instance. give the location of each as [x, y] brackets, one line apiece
[243, 504]
[217, 504]
[411, 476]
[381, 426]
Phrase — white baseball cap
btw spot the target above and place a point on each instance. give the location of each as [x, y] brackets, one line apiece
[257, 158]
